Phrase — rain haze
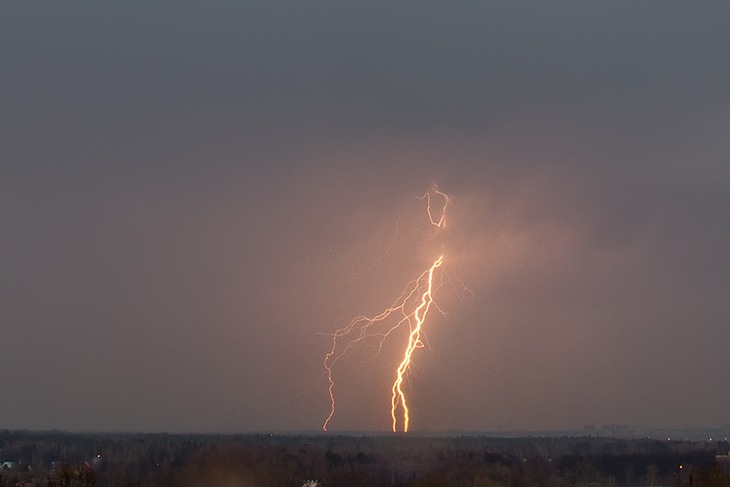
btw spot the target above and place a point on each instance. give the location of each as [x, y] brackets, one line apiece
[193, 197]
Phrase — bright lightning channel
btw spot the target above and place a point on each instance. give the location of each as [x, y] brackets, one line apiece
[411, 308]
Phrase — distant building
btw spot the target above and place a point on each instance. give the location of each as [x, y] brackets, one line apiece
[614, 431]
[723, 462]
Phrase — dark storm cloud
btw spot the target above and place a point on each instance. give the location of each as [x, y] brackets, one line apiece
[190, 194]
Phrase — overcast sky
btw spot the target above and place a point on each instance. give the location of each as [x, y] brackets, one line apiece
[193, 196]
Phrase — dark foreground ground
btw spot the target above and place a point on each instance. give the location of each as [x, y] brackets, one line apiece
[118, 460]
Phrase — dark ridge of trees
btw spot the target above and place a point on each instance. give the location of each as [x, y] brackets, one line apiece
[56, 459]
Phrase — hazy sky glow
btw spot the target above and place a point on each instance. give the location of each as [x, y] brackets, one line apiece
[190, 196]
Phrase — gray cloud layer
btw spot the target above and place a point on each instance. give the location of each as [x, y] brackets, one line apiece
[190, 195]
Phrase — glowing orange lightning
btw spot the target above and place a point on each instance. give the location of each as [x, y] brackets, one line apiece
[414, 341]
[413, 306]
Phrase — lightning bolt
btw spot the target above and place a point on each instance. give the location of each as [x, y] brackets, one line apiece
[410, 310]
[441, 222]
[415, 321]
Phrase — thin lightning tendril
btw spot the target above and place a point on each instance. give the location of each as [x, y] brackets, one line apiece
[441, 222]
[412, 308]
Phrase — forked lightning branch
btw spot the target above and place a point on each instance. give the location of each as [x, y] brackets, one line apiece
[410, 310]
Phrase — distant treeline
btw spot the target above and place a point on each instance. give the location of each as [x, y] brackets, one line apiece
[137, 460]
